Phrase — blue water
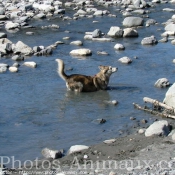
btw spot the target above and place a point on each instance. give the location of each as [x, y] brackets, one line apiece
[37, 111]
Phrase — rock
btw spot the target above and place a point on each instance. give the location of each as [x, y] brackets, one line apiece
[170, 27]
[18, 58]
[88, 37]
[54, 154]
[99, 121]
[40, 16]
[170, 96]
[22, 48]
[109, 141]
[78, 43]
[162, 83]
[77, 148]
[102, 39]
[30, 33]
[139, 11]
[30, 64]
[129, 32]
[81, 52]
[133, 21]
[159, 128]
[149, 40]
[3, 35]
[173, 42]
[115, 32]
[168, 33]
[102, 53]
[141, 131]
[98, 13]
[15, 65]
[96, 33]
[163, 40]
[81, 12]
[119, 46]
[151, 22]
[125, 60]
[3, 67]
[143, 121]
[13, 69]
[10, 25]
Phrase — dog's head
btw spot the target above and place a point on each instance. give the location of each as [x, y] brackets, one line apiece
[108, 70]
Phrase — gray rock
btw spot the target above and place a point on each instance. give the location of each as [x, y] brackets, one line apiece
[3, 67]
[133, 21]
[77, 43]
[13, 69]
[31, 64]
[170, 96]
[98, 13]
[170, 27]
[159, 128]
[115, 32]
[77, 148]
[162, 83]
[129, 32]
[169, 10]
[2, 11]
[151, 22]
[81, 12]
[81, 52]
[149, 40]
[10, 25]
[40, 16]
[119, 46]
[15, 65]
[54, 154]
[22, 48]
[96, 33]
[125, 60]
[3, 17]
[163, 40]
[140, 11]
[3, 35]
[18, 58]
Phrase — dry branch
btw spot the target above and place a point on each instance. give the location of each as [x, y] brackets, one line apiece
[157, 103]
[153, 112]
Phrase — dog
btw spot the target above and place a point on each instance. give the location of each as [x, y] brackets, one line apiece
[84, 83]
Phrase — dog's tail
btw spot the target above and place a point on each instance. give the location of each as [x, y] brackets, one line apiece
[61, 69]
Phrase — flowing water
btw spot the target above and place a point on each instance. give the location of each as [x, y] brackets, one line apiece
[36, 110]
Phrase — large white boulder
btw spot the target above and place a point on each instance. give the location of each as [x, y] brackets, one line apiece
[170, 96]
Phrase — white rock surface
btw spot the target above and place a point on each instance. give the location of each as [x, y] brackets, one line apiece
[30, 64]
[170, 96]
[160, 128]
[81, 52]
[77, 148]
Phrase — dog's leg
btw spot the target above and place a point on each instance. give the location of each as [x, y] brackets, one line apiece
[75, 86]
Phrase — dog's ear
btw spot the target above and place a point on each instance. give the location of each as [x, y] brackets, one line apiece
[101, 67]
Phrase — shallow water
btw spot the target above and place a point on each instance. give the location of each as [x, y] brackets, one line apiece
[36, 110]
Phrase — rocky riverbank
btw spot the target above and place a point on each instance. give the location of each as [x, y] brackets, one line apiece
[133, 154]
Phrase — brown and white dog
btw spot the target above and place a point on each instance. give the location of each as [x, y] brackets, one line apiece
[84, 83]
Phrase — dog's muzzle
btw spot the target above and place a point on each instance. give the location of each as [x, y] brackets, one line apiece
[114, 69]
